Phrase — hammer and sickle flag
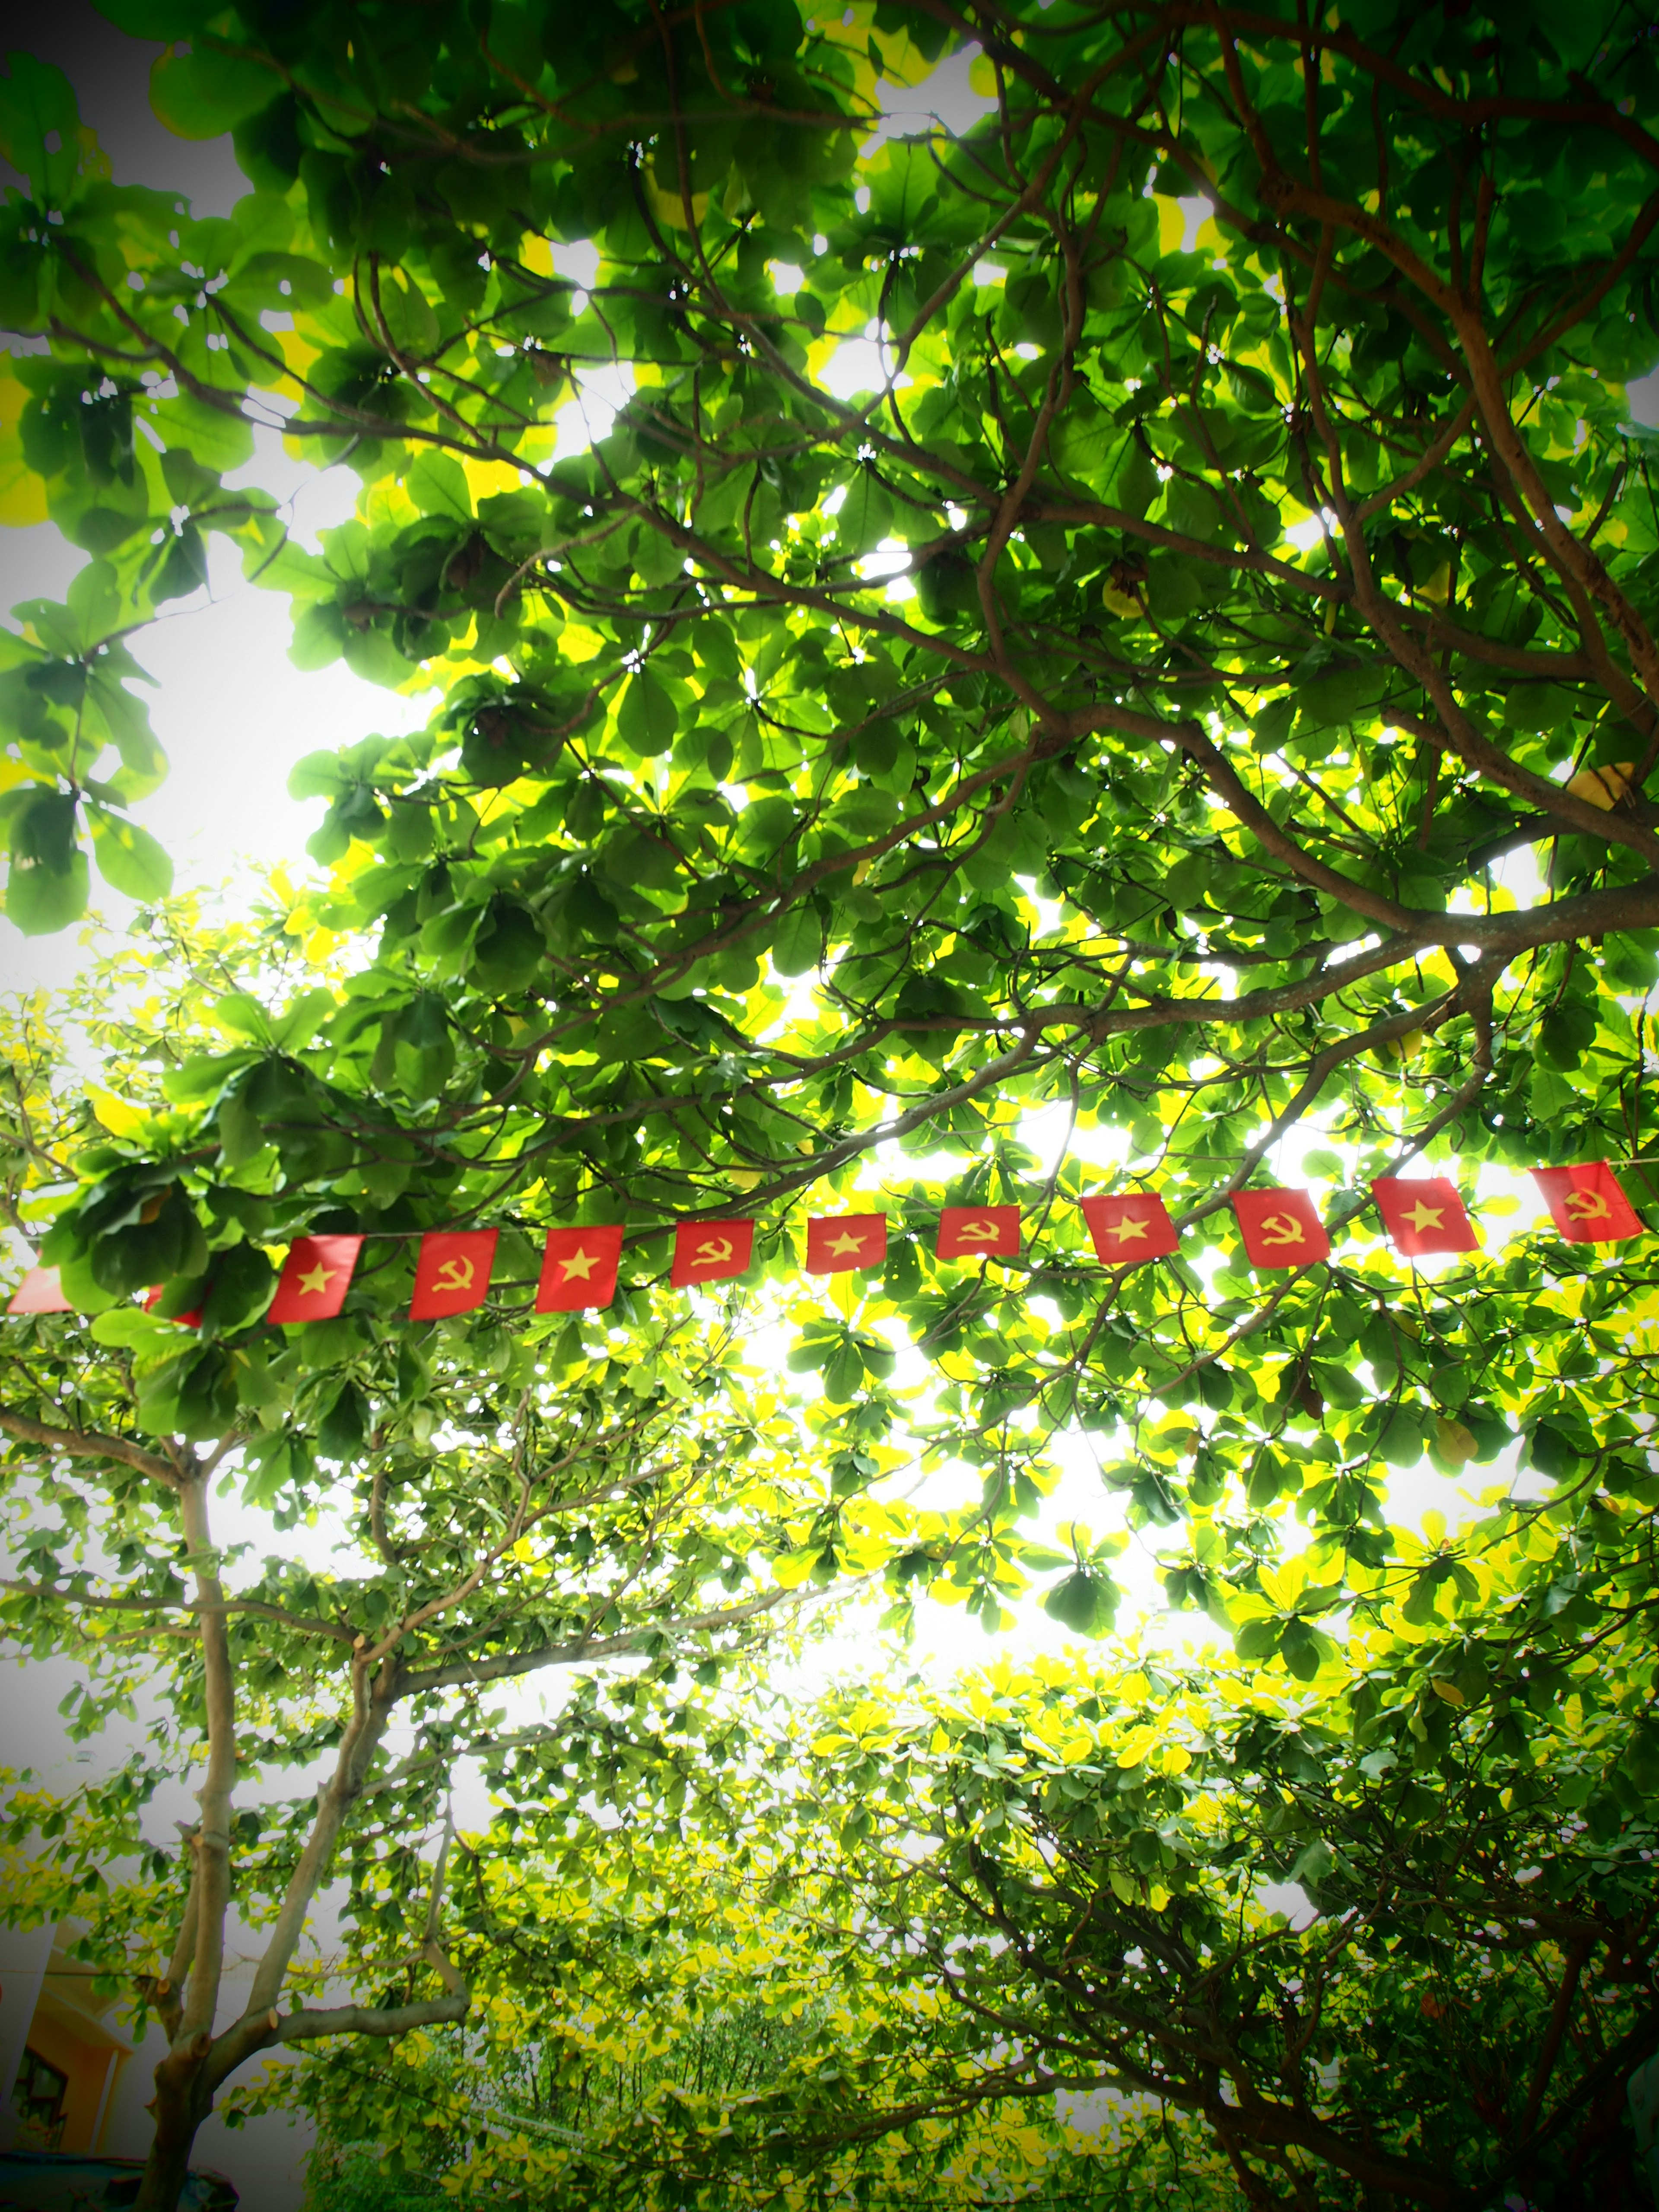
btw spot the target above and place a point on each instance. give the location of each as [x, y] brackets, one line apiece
[978, 1232]
[579, 1269]
[315, 1277]
[1587, 1204]
[842, 1241]
[451, 1275]
[710, 1252]
[1280, 1228]
[1129, 1226]
[1426, 1215]
[40, 1291]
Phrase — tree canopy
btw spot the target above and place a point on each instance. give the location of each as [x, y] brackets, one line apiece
[1136, 608]
[1013, 1942]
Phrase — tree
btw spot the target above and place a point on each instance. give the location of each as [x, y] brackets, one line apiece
[1047, 1884]
[1117, 800]
[508, 1496]
[817, 774]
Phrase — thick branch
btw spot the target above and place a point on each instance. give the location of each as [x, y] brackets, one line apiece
[90, 1443]
[213, 1838]
[506, 1665]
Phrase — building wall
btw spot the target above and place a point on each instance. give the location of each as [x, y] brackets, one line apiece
[24, 1953]
[88, 2066]
[43, 1995]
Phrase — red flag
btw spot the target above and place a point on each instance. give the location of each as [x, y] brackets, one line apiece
[711, 1252]
[1587, 1203]
[1424, 1216]
[452, 1274]
[1134, 1225]
[315, 1277]
[579, 1269]
[1281, 1229]
[191, 1319]
[41, 1291]
[851, 1240]
[973, 1232]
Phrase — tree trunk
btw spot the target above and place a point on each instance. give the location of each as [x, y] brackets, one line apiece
[180, 2110]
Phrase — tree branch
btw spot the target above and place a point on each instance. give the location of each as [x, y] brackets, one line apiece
[90, 1443]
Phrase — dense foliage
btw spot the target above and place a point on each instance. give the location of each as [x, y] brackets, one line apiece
[1094, 612]
[935, 1949]
[444, 1516]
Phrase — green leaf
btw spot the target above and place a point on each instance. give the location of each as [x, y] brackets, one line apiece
[39, 127]
[42, 898]
[647, 718]
[437, 483]
[205, 92]
[798, 946]
[1085, 1601]
[129, 858]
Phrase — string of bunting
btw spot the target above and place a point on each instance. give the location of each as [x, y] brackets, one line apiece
[1280, 1228]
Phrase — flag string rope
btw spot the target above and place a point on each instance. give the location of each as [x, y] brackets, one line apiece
[1280, 1228]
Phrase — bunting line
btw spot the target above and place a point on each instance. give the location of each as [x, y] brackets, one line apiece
[1278, 1227]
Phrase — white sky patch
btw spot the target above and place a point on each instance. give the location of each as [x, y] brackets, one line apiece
[856, 367]
[943, 96]
[583, 420]
[1195, 213]
[890, 557]
[580, 261]
[1305, 535]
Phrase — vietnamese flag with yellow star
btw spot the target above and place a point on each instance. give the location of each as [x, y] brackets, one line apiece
[978, 1232]
[1280, 1228]
[579, 1269]
[1426, 1215]
[315, 1277]
[1588, 1206]
[451, 1275]
[710, 1252]
[842, 1241]
[1128, 1226]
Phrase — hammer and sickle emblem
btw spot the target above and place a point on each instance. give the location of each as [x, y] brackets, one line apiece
[1588, 1206]
[713, 1252]
[977, 1232]
[455, 1275]
[1281, 1229]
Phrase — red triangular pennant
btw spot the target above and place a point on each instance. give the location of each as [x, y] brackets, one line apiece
[845, 1240]
[1588, 1206]
[315, 1277]
[1130, 1226]
[1280, 1228]
[1424, 1216]
[579, 1269]
[711, 1252]
[451, 1275]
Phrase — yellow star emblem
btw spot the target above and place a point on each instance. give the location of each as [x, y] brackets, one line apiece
[579, 1266]
[1131, 1226]
[839, 1247]
[316, 1280]
[1423, 1216]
